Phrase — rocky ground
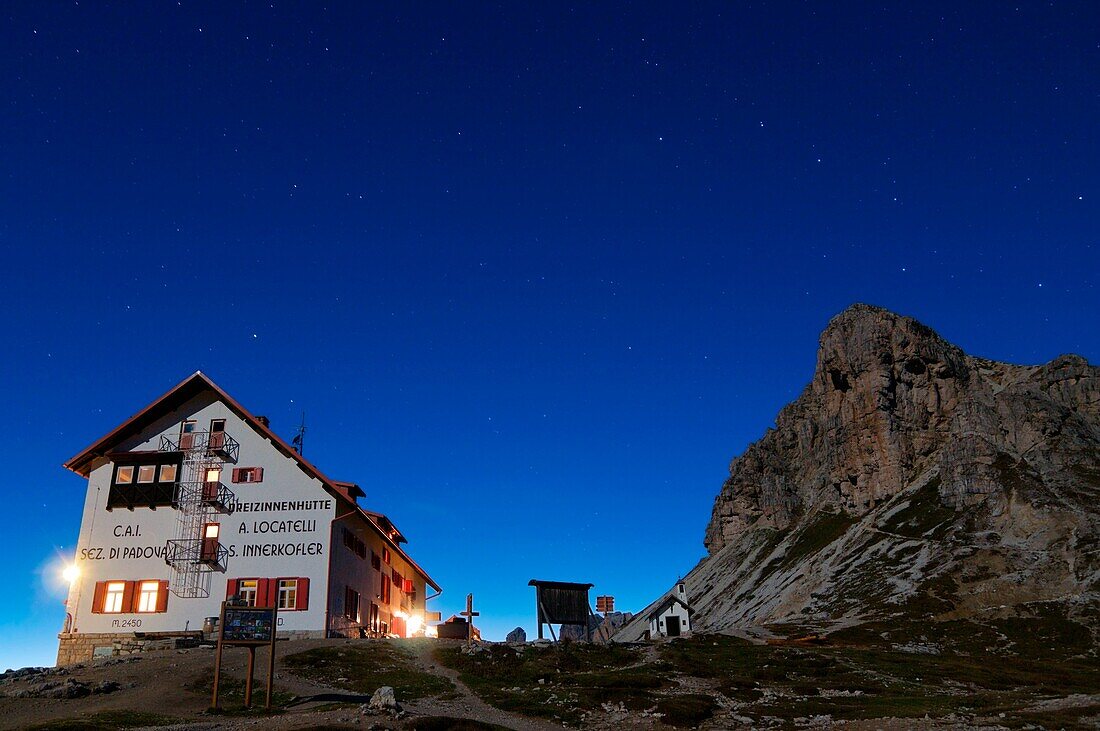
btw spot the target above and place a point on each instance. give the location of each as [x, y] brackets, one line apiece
[708, 682]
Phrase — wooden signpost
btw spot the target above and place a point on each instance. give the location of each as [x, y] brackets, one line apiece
[251, 627]
[469, 614]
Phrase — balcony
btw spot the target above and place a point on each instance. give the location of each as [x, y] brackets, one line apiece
[191, 554]
[218, 496]
[212, 494]
[217, 444]
[142, 495]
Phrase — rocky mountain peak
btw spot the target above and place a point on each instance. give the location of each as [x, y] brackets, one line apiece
[903, 463]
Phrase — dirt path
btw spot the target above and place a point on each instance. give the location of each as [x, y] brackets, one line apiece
[468, 705]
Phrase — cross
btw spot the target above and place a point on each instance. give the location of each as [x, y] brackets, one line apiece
[469, 614]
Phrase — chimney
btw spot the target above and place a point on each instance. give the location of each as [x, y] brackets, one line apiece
[264, 420]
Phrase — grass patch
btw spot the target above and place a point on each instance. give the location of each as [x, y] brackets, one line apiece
[574, 678]
[895, 670]
[816, 535]
[686, 711]
[106, 721]
[924, 517]
[367, 665]
[851, 680]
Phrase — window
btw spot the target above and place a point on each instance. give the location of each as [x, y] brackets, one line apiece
[375, 561]
[187, 434]
[214, 474]
[398, 581]
[148, 485]
[211, 530]
[288, 593]
[386, 555]
[354, 543]
[248, 474]
[112, 602]
[124, 597]
[247, 591]
[351, 604]
[217, 434]
[148, 593]
[386, 584]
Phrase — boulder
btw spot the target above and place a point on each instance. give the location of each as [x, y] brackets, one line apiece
[516, 636]
[384, 700]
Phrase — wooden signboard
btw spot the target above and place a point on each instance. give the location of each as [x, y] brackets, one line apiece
[248, 625]
[251, 627]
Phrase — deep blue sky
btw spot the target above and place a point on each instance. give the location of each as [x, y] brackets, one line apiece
[534, 275]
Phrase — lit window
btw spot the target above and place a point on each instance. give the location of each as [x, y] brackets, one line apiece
[112, 600]
[288, 593]
[188, 427]
[168, 473]
[125, 475]
[148, 593]
[211, 530]
[213, 475]
[146, 472]
[247, 591]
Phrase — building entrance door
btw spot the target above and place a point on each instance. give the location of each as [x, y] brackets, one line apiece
[672, 626]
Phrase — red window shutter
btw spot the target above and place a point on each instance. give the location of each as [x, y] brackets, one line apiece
[236, 474]
[129, 598]
[303, 594]
[266, 590]
[162, 596]
[231, 587]
[257, 474]
[409, 585]
[99, 596]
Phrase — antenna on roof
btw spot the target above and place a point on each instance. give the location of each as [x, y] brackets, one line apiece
[299, 439]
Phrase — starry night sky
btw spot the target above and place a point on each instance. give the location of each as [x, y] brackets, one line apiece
[534, 275]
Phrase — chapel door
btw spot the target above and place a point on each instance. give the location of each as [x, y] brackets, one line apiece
[672, 626]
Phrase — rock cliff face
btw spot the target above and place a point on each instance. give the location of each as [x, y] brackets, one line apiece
[909, 478]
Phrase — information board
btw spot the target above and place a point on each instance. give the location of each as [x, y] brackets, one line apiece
[248, 626]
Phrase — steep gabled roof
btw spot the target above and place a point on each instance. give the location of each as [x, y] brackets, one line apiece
[667, 602]
[197, 383]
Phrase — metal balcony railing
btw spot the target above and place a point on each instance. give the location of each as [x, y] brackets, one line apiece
[142, 495]
[218, 444]
[189, 554]
[211, 493]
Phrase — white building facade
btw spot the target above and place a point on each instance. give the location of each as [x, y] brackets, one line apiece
[194, 500]
[672, 617]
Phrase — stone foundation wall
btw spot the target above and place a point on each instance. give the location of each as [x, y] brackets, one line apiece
[76, 647]
[79, 647]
